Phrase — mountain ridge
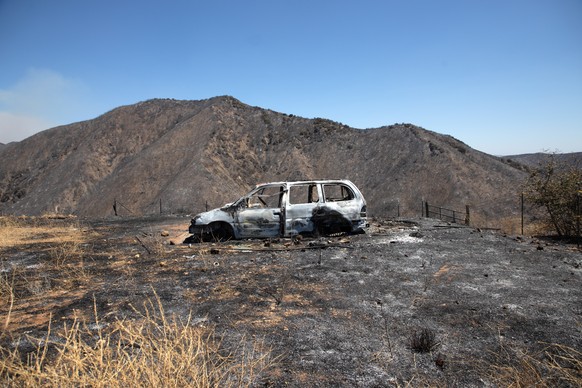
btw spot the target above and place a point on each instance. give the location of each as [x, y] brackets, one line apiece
[185, 155]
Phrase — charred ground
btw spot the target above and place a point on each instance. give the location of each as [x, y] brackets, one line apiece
[414, 301]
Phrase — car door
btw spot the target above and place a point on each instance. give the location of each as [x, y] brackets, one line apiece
[302, 200]
[261, 213]
[340, 208]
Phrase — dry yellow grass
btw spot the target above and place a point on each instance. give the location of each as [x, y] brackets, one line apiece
[556, 365]
[512, 225]
[61, 238]
[15, 232]
[151, 351]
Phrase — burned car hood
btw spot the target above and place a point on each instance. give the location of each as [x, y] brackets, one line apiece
[224, 213]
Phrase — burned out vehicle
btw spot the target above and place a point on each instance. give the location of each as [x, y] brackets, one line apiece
[286, 209]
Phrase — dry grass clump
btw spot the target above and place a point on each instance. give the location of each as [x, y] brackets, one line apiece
[65, 252]
[20, 231]
[151, 351]
[6, 286]
[154, 243]
[59, 239]
[556, 365]
[511, 225]
[7, 294]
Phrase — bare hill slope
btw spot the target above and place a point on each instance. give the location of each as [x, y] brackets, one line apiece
[187, 155]
[573, 159]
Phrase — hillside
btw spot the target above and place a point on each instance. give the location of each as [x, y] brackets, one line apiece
[534, 160]
[186, 155]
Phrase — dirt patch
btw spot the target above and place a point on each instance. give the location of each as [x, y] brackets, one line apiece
[337, 311]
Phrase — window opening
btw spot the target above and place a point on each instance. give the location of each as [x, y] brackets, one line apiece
[299, 194]
[267, 197]
[336, 193]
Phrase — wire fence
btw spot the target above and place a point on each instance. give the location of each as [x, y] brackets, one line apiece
[445, 214]
[525, 219]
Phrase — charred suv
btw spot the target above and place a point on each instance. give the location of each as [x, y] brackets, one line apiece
[286, 209]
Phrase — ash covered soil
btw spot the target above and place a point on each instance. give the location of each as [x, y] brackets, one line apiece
[349, 310]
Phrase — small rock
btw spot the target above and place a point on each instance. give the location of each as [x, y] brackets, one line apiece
[440, 361]
[165, 233]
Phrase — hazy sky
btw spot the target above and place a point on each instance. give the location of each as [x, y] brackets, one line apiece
[503, 76]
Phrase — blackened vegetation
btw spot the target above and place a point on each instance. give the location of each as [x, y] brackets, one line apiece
[434, 149]
[423, 341]
[15, 187]
[334, 311]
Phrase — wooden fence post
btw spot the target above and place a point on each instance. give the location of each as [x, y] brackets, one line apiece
[467, 215]
[578, 215]
[522, 211]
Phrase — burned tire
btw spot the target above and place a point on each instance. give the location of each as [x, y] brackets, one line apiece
[193, 239]
[214, 232]
[220, 231]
